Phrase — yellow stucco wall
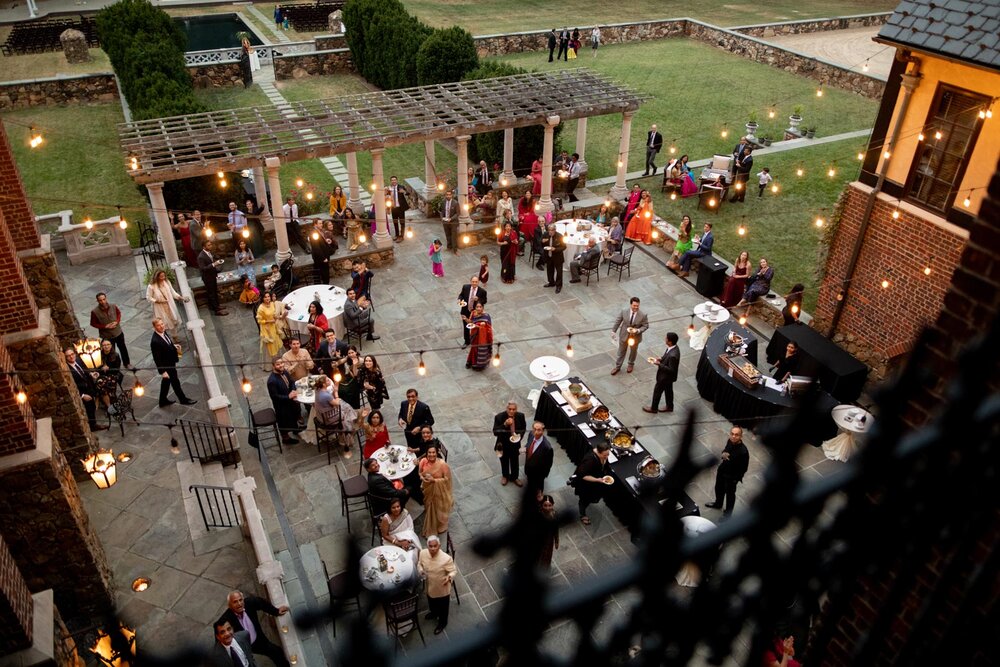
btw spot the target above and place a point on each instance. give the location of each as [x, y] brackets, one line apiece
[987, 148]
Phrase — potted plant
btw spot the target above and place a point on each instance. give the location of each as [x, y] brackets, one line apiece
[810, 132]
[796, 117]
[752, 126]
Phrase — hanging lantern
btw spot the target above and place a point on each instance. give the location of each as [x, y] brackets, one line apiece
[104, 647]
[101, 467]
[89, 352]
[36, 139]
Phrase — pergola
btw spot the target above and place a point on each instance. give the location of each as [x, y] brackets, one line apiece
[254, 138]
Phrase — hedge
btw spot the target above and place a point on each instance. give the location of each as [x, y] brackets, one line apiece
[446, 56]
[384, 40]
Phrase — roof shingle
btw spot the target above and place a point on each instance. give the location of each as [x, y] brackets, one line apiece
[965, 29]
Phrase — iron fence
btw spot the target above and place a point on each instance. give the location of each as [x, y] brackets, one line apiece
[217, 505]
[150, 246]
[208, 441]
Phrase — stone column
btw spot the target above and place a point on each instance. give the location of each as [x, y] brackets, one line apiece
[382, 237]
[545, 201]
[618, 190]
[581, 141]
[354, 186]
[162, 218]
[260, 190]
[430, 173]
[273, 166]
[462, 149]
[508, 159]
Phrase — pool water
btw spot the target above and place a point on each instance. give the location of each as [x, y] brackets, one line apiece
[215, 31]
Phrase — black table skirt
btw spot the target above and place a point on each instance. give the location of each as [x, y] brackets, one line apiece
[751, 407]
[620, 497]
[837, 371]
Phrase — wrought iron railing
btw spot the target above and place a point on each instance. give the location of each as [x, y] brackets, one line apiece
[212, 56]
[150, 246]
[217, 505]
[208, 441]
[905, 500]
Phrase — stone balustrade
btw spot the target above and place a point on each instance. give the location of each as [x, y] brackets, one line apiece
[86, 242]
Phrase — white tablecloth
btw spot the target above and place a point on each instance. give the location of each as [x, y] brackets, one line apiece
[399, 575]
[549, 369]
[852, 429]
[711, 314]
[690, 574]
[333, 299]
[576, 241]
[407, 462]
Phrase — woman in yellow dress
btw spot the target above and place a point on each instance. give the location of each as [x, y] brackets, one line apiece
[435, 476]
[267, 318]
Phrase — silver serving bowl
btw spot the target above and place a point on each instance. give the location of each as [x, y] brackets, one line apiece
[652, 472]
[600, 424]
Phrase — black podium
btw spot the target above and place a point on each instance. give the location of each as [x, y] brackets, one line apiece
[711, 276]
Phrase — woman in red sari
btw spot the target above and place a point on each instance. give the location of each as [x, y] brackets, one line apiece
[632, 204]
[317, 325]
[526, 216]
[509, 245]
[536, 176]
[641, 226]
[480, 338]
[376, 434]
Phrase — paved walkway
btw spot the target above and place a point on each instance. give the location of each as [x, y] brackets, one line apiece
[850, 48]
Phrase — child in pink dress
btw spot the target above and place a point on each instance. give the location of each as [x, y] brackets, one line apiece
[434, 252]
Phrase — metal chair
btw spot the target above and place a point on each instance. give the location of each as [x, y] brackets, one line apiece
[378, 505]
[353, 495]
[265, 426]
[401, 617]
[361, 451]
[328, 427]
[592, 267]
[122, 405]
[449, 549]
[345, 591]
[622, 262]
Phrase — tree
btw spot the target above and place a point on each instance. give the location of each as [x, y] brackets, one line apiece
[446, 56]
[384, 40]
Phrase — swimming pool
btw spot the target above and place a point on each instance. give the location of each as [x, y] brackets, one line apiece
[214, 31]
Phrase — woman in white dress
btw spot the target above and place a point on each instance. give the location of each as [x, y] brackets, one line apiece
[162, 295]
[505, 203]
[396, 527]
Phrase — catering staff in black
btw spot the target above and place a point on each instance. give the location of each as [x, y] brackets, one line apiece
[591, 477]
[468, 297]
[734, 464]
[555, 257]
[789, 365]
[87, 387]
[666, 375]
[165, 356]
[509, 423]
[552, 43]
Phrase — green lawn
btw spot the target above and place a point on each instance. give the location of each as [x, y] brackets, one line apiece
[322, 87]
[779, 226]
[234, 97]
[73, 169]
[43, 65]
[694, 92]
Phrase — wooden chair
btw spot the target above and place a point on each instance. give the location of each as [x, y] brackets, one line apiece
[265, 427]
[592, 267]
[345, 591]
[353, 495]
[401, 617]
[622, 262]
[329, 427]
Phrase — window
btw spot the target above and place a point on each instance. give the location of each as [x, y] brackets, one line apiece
[939, 164]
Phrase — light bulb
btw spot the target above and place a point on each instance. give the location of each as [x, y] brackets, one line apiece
[538, 207]
[134, 163]
[569, 349]
[989, 113]
[655, 234]
[309, 196]
[620, 164]
[298, 182]
[421, 369]
[647, 215]
[774, 188]
[123, 223]
[886, 154]
[799, 172]
[496, 359]
[220, 174]
[724, 133]
[315, 236]
[927, 270]
[337, 376]
[895, 214]
[819, 92]
[690, 330]
[388, 203]
[138, 389]
[503, 182]
[861, 156]
[711, 202]
[938, 135]
[496, 230]
[819, 222]
[743, 320]
[223, 183]
[738, 186]
[673, 196]
[245, 233]
[22, 397]
[409, 232]
[864, 68]
[247, 386]
[770, 114]
[885, 283]
[362, 238]
[741, 230]
[88, 223]
[840, 296]
[673, 149]
[465, 239]
[982, 114]
[795, 309]
[208, 232]
[967, 202]
[36, 139]
[465, 207]
[372, 186]
[440, 186]
[920, 137]
[631, 341]
[831, 172]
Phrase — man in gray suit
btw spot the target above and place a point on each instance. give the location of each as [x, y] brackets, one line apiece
[629, 326]
[358, 314]
[232, 649]
[588, 258]
[666, 375]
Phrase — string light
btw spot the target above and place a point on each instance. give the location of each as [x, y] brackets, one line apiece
[819, 92]
[742, 229]
[647, 215]
[372, 186]
[840, 295]
[362, 238]
[831, 172]
[631, 341]
[927, 270]
[36, 139]
[895, 213]
[309, 196]
[337, 376]
[315, 236]
[466, 239]
[967, 202]
[864, 68]
[711, 202]
[496, 230]
[795, 309]
[133, 163]
[725, 132]
[885, 283]
[861, 156]
[465, 207]
[690, 328]
[503, 181]
[223, 183]
[121, 219]
[819, 221]
[298, 182]
[673, 149]
[137, 387]
[774, 188]
[569, 346]
[770, 113]
[938, 135]
[738, 186]
[655, 234]
[421, 368]
[799, 171]
[743, 320]
[440, 186]
[409, 232]
[245, 383]
[496, 357]
[620, 164]
[220, 174]
[921, 137]
[388, 202]
[88, 223]
[208, 232]
[673, 196]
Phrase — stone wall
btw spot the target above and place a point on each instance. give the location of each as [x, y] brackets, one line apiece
[58, 91]
[760, 51]
[330, 42]
[298, 65]
[766, 30]
[49, 291]
[216, 75]
[616, 33]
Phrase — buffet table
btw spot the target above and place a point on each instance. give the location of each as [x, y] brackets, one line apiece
[573, 433]
[746, 406]
[837, 371]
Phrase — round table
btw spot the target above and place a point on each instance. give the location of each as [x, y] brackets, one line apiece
[848, 419]
[331, 297]
[709, 313]
[549, 369]
[307, 397]
[400, 572]
[690, 574]
[393, 471]
[576, 240]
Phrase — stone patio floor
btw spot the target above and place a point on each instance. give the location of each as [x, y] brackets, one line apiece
[142, 522]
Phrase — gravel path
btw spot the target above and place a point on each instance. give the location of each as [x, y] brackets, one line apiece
[849, 48]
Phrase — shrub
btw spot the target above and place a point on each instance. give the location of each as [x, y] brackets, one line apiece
[446, 56]
[528, 141]
[384, 40]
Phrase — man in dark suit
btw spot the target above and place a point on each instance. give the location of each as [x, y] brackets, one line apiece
[538, 457]
[552, 43]
[742, 166]
[87, 387]
[631, 323]
[702, 249]
[507, 423]
[732, 468]
[468, 297]
[555, 257]
[358, 315]
[320, 251]
[209, 267]
[165, 356]
[413, 416]
[449, 220]
[381, 490]
[242, 615]
[331, 352]
[666, 375]
[588, 258]
[484, 180]
[399, 207]
[654, 142]
[231, 649]
[563, 45]
[281, 389]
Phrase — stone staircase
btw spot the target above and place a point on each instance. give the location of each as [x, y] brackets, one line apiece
[211, 474]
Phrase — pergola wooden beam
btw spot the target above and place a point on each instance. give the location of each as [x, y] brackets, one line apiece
[199, 144]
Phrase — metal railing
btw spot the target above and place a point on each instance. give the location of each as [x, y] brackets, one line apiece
[208, 441]
[228, 55]
[217, 505]
[150, 246]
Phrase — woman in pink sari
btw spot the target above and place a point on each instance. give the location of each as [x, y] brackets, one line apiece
[688, 186]
[536, 176]
[480, 339]
[632, 204]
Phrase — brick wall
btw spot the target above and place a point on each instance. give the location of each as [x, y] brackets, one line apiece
[17, 424]
[878, 324]
[16, 605]
[17, 307]
[14, 203]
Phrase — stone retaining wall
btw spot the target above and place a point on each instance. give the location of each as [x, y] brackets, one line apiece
[330, 42]
[813, 25]
[298, 65]
[616, 33]
[216, 75]
[58, 91]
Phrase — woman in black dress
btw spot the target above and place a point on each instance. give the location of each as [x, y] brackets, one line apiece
[245, 64]
[592, 475]
[373, 382]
